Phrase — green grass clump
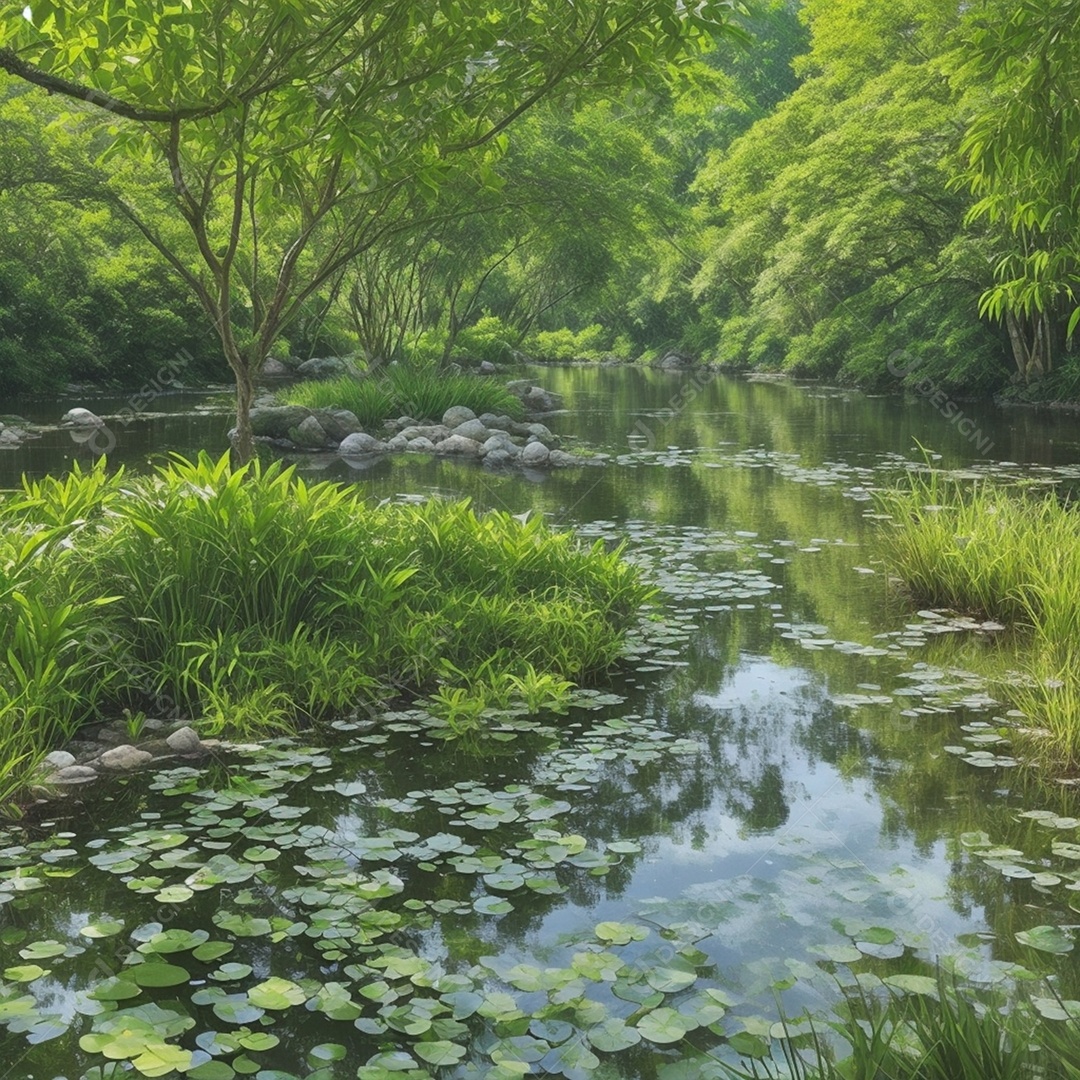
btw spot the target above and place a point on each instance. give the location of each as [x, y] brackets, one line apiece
[250, 599]
[944, 1031]
[1011, 554]
[403, 391]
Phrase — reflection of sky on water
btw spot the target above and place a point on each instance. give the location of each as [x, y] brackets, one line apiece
[797, 812]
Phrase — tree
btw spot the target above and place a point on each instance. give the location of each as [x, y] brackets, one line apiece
[1022, 151]
[261, 145]
[828, 238]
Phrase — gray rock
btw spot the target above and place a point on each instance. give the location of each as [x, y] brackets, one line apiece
[403, 422]
[538, 400]
[361, 443]
[675, 361]
[498, 423]
[457, 414]
[472, 429]
[487, 368]
[309, 434]
[81, 418]
[421, 445]
[74, 774]
[125, 758]
[274, 422]
[434, 432]
[458, 446]
[324, 367]
[535, 453]
[274, 369]
[185, 740]
[59, 759]
[498, 457]
[543, 433]
[560, 459]
[338, 423]
[397, 444]
[499, 441]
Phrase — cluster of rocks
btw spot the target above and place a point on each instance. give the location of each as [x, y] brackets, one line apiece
[11, 435]
[62, 768]
[497, 440]
[297, 427]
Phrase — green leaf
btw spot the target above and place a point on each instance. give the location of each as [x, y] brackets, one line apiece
[439, 1053]
[613, 1035]
[25, 972]
[1049, 939]
[665, 1026]
[157, 975]
[101, 929]
[275, 993]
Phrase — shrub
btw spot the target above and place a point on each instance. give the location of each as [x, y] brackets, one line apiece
[564, 345]
[488, 339]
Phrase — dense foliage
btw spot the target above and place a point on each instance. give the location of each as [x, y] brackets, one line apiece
[265, 147]
[247, 596]
[879, 191]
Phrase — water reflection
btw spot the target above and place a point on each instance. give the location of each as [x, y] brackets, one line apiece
[821, 802]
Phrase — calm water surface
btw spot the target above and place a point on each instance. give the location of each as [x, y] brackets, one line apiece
[803, 783]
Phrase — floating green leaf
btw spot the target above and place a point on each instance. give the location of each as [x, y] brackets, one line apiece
[276, 993]
[1049, 939]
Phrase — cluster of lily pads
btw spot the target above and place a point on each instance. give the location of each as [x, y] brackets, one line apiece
[380, 908]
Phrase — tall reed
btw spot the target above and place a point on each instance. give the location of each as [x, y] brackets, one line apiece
[1007, 553]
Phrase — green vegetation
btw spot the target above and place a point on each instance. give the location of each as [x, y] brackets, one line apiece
[261, 153]
[685, 191]
[402, 391]
[1008, 554]
[932, 1030]
[252, 599]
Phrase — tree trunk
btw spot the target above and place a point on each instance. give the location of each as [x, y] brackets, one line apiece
[243, 443]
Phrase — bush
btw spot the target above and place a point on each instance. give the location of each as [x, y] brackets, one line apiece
[232, 596]
[488, 339]
[588, 344]
[404, 391]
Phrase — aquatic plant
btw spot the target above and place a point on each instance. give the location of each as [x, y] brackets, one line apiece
[421, 393]
[939, 1030]
[254, 600]
[1013, 554]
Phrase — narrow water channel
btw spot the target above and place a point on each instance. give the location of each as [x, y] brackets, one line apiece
[801, 783]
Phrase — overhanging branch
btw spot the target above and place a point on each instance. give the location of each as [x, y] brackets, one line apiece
[13, 65]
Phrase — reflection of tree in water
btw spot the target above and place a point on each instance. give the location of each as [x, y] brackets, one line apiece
[768, 808]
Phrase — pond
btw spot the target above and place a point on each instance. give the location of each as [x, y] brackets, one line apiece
[801, 782]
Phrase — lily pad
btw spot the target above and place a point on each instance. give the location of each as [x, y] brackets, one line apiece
[1049, 939]
[665, 1026]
